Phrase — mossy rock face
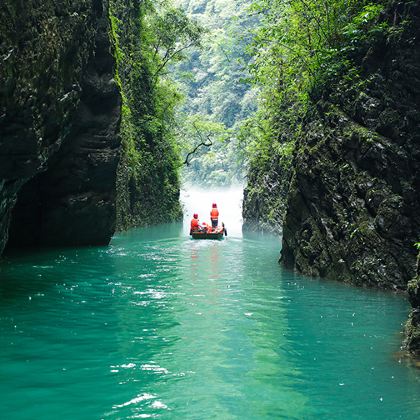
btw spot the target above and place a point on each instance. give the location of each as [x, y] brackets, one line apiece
[147, 177]
[265, 195]
[74, 162]
[412, 327]
[60, 112]
[348, 203]
[353, 211]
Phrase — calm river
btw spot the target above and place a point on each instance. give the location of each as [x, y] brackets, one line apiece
[158, 325]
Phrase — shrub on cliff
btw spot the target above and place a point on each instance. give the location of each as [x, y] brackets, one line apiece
[148, 37]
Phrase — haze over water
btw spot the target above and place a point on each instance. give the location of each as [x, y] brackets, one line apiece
[158, 325]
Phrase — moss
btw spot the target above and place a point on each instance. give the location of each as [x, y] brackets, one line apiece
[412, 327]
[148, 181]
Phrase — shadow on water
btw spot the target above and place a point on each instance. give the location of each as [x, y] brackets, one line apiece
[27, 271]
[148, 234]
[30, 271]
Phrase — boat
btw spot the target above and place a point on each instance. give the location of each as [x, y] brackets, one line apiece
[209, 233]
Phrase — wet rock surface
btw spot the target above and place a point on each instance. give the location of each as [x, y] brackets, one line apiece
[412, 328]
[353, 210]
[59, 116]
[265, 196]
[348, 202]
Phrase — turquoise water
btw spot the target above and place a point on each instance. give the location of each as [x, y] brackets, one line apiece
[158, 325]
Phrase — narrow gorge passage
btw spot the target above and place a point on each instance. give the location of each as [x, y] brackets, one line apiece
[122, 119]
[157, 325]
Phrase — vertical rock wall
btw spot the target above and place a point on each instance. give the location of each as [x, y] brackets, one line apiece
[349, 202]
[265, 195]
[353, 210]
[59, 121]
[77, 162]
[147, 181]
[412, 328]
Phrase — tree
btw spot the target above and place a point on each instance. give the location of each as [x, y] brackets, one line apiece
[172, 32]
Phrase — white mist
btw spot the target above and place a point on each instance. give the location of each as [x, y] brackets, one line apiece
[229, 203]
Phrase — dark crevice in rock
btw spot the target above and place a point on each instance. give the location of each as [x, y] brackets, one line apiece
[59, 123]
[73, 201]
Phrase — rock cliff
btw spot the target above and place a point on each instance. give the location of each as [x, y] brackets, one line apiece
[265, 195]
[60, 111]
[76, 158]
[412, 328]
[353, 209]
[147, 177]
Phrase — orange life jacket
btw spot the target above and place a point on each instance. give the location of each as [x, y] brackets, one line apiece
[194, 224]
[214, 214]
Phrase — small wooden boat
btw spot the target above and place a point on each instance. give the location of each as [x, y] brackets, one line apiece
[209, 233]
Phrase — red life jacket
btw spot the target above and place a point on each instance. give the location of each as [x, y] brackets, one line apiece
[194, 224]
[214, 214]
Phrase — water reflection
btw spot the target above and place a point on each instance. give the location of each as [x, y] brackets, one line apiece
[158, 324]
[148, 286]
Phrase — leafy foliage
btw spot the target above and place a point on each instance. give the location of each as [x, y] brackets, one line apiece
[299, 49]
[171, 33]
[215, 82]
[252, 67]
[209, 165]
[149, 36]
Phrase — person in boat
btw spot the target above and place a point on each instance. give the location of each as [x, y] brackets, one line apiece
[214, 216]
[206, 228]
[195, 224]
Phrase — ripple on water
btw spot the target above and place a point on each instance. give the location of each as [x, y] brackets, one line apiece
[155, 327]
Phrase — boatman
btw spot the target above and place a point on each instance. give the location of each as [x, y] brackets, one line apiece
[195, 224]
[214, 216]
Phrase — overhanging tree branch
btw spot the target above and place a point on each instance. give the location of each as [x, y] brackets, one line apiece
[206, 143]
[169, 55]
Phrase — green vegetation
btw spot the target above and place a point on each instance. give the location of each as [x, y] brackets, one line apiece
[262, 64]
[231, 81]
[301, 48]
[215, 82]
[148, 37]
